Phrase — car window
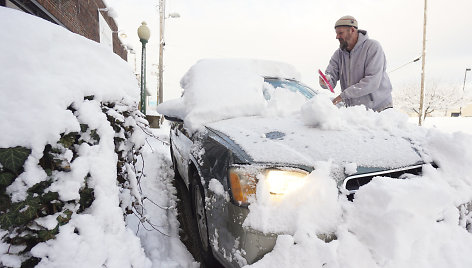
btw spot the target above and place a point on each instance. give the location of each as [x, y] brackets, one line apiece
[291, 85]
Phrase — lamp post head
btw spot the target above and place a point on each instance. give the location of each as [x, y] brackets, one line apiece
[467, 69]
[143, 33]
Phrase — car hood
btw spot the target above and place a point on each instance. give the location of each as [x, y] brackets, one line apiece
[289, 141]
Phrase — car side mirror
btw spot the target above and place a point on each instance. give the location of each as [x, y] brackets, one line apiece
[173, 119]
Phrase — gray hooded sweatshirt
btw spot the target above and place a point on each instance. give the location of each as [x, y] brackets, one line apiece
[362, 75]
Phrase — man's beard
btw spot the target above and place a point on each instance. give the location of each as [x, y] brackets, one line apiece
[342, 44]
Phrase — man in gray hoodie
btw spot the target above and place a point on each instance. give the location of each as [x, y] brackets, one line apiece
[359, 64]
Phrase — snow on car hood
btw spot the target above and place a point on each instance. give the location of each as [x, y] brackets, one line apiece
[291, 141]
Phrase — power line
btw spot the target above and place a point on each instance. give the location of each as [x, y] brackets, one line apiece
[415, 60]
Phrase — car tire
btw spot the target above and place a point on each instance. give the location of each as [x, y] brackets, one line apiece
[189, 231]
[200, 223]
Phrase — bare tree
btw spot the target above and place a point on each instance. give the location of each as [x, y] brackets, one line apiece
[436, 98]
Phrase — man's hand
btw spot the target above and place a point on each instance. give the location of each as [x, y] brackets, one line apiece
[322, 83]
[337, 100]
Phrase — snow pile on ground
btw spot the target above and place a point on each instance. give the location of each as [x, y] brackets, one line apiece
[447, 124]
[159, 231]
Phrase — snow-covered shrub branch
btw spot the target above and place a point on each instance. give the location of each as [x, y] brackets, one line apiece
[64, 183]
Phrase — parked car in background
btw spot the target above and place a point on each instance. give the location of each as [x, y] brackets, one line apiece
[219, 160]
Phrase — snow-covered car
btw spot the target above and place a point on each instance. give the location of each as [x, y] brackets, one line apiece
[244, 126]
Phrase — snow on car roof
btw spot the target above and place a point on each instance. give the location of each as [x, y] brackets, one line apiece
[216, 89]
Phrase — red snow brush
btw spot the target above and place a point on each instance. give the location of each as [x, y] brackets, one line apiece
[323, 77]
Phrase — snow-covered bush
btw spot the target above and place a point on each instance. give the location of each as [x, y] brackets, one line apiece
[37, 218]
[70, 138]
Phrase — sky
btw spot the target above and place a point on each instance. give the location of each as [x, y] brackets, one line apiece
[301, 33]
[391, 223]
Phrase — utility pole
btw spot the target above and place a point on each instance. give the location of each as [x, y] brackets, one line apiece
[162, 13]
[423, 57]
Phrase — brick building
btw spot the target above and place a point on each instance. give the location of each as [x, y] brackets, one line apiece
[88, 18]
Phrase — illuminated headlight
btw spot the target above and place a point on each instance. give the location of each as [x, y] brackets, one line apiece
[281, 182]
[278, 182]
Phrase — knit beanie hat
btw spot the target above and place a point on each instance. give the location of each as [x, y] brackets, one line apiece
[346, 21]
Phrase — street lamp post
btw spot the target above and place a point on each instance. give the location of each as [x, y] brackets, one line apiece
[161, 49]
[465, 75]
[143, 34]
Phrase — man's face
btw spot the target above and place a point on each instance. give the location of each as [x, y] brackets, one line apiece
[345, 36]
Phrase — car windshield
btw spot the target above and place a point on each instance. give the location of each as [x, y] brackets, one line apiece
[291, 85]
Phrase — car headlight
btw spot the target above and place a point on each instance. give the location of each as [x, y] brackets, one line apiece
[279, 182]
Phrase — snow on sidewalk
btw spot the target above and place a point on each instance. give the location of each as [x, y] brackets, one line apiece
[159, 232]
